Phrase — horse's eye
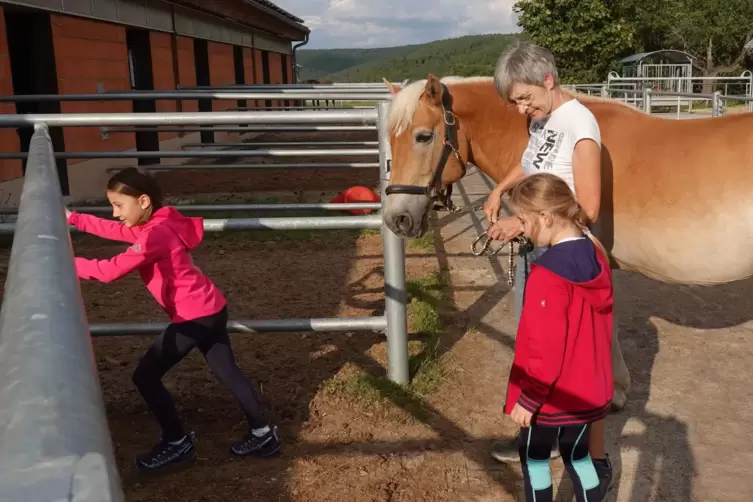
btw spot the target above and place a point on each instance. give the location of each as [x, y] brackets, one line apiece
[424, 137]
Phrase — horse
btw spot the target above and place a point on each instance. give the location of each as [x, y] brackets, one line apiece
[316, 102]
[669, 187]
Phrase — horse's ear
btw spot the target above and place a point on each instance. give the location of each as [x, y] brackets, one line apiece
[393, 89]
[433, 90]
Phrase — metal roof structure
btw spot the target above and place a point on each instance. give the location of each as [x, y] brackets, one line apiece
[674, 55]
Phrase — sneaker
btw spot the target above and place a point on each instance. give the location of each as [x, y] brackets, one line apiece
[604, 472]
[263, 446]
[166, 454]
[507, 451]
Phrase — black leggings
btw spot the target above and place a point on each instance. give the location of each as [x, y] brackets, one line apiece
[210, 335]
[535, 447]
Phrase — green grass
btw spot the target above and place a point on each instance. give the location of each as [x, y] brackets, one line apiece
[423, 243]
[426, 371]
[425, 297]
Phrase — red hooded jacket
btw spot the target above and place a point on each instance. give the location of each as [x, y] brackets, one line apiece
[161, 252]
[562, 370]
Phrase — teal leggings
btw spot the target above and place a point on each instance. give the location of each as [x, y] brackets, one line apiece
[535, 447]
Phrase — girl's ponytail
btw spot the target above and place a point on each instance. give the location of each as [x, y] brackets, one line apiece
[547, 192]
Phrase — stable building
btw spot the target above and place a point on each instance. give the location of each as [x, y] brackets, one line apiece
[91, 46]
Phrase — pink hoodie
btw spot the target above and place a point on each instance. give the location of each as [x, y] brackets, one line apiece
[160, 252]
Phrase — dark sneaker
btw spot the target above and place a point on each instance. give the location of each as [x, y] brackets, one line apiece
[264, 446]
[604, 472]
[506, 451]
[166, 454]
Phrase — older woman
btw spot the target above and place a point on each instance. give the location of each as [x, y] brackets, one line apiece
[564, 140]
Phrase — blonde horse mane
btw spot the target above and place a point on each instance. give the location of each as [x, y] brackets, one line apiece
[405, 103]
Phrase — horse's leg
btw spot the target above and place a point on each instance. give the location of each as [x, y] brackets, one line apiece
[619, 371]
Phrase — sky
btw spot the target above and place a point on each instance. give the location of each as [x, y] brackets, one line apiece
[384, 23]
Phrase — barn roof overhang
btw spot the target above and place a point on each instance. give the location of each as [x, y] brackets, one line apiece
[281, 14]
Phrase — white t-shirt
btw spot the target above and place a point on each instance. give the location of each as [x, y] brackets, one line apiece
[553, 138]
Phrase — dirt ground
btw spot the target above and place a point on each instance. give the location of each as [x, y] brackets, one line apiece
[683, 436]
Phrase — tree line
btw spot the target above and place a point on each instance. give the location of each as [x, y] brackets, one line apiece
[463, 56]
[588, 37]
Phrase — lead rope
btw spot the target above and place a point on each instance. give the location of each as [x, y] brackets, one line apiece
[486, 249]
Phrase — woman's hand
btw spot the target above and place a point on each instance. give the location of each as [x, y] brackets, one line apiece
[492, 205]
[67, 213]
[505, 229]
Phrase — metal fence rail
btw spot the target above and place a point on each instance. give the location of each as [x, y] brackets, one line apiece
[395, 308]
[323, 324]
[53, 429]
[241, 129]
[343, 86]
[363, 117]
[222, 208]
[261, 167]
[278, 144]
[160, 154]
[364, 95]
[288, 223]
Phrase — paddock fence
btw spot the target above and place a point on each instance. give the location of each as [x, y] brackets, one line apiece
[53, 428]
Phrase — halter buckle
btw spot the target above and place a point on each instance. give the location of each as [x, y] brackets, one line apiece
[449, 118]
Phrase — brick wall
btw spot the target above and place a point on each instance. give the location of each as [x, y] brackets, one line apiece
[275, 72]
[9, 169]
[163, 73]
[186, 69]
[89, 52]
[221, 72]
[260, 73]
[248, 71]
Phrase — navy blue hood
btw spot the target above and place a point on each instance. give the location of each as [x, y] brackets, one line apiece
[574, 261]
[578, 262]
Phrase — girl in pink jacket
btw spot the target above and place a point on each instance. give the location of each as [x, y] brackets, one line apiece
[161, 240]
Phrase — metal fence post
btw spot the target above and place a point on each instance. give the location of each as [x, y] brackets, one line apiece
[394, 269]
[716, 104]
[53, 429]
[647, 100]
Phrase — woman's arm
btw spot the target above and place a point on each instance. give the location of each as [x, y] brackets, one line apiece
[494, 201]
[587, 177]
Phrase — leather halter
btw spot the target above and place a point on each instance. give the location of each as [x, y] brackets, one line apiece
[435, 190]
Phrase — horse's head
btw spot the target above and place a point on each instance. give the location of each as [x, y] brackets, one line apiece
[429, 152]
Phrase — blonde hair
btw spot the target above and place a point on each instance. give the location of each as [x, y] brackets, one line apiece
[549, 193]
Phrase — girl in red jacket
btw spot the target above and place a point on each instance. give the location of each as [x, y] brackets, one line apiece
[161, 241]
[561, 378]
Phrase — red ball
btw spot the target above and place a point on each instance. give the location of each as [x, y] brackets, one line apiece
[356, 194]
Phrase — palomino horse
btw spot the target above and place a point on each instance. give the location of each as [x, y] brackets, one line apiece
[667, 185]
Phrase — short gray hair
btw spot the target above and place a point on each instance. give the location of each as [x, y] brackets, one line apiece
[524, 63]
